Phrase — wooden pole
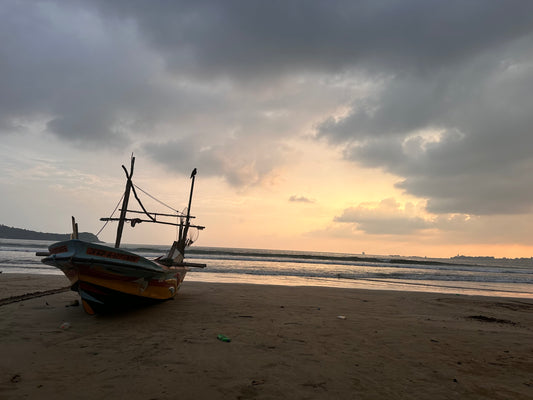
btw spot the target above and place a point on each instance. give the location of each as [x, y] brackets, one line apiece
[188, 217]
[124, 203]
[74, 229]
[193, 175]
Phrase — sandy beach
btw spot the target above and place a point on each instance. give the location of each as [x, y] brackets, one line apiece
[286, 343]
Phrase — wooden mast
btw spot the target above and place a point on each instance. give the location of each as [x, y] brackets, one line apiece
[124, 202]
[183, 235]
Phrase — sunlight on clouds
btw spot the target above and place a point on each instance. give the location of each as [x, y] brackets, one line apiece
[388, 217]
[418, 143]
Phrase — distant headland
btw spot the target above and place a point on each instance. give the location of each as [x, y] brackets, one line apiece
[7, 232]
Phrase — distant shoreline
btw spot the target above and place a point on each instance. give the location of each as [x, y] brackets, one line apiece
[7, 232]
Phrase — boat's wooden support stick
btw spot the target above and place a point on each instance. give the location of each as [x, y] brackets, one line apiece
[124, 203]
[74, 229]
[183, 241]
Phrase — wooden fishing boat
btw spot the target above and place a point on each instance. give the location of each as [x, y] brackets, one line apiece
[110, 277]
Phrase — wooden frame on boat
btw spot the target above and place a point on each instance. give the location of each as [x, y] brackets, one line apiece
[110, 277]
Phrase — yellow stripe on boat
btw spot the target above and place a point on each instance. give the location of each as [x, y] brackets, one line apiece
[138, 287]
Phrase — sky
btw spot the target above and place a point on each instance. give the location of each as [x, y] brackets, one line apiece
[378, 126]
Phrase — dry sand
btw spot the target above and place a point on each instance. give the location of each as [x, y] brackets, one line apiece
[286, 343]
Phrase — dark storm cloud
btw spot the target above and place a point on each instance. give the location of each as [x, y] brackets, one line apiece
[88, 78]
[459, 133]
[128, 70]
[46, 70]
[460, 137]
[269, 37]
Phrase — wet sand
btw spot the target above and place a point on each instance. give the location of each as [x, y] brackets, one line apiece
[286, 343]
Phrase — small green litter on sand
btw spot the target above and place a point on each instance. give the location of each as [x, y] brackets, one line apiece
[223, 338]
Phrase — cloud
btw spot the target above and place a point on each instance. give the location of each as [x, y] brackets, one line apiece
[464, 147]
[457, 133]
[60, 65]
[385, 218]
[239, 162]
[239, 39]
[437, 93]
[404, 223]
[300, 199]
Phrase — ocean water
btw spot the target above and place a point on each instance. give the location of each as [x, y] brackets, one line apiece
[297, 268]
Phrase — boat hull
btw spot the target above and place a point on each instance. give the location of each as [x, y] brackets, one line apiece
[107, 277]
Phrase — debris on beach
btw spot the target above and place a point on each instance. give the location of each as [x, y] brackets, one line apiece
[223, 338]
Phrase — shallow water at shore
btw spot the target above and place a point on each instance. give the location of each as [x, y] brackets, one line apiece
[291, 268]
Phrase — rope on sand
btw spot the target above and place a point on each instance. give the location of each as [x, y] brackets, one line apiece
[27, 296]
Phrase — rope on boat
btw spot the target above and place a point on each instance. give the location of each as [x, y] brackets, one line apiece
[111, 216]
[27, 296]
[159, 201]
[140, 203]
[179, 214]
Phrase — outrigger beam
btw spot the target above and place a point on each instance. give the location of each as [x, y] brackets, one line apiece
[158, 214]
[137, 220]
